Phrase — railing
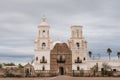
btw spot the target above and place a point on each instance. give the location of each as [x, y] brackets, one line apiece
[60, 61]
[78, 61]
[43, 61]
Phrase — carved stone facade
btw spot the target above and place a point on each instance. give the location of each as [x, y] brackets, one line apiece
[61, 60]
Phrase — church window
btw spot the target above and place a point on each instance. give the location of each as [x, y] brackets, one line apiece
[114, 70]
[43, 33]
[43, 45]
[43, 59]
[36, 58]
[77, 33]
[78, 60]
[78, 45]
[78, 68]
[43, 68]
[58, 58]
[73, 33]
[84, 58]
[61, 59]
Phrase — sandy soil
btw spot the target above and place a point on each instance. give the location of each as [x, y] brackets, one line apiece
[65, 78]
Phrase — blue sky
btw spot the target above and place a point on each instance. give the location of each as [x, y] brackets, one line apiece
[19, 20]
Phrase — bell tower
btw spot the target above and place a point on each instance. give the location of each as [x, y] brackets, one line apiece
[78, 45]
[43, 39]
[43, 45]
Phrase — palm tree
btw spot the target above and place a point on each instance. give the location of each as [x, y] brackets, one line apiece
[118, 54]
[90, 54]
[109, 51]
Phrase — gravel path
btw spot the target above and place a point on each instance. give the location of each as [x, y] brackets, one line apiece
[65, 78]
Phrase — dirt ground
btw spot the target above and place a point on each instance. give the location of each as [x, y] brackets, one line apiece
[65, 78]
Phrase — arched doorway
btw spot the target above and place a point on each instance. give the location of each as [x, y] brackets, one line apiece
[61, 70]
[27, 72]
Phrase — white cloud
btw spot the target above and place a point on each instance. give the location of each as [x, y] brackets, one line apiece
[19, 20]
[16, 50]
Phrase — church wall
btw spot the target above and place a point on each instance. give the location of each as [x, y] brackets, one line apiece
[115, 64]
[81, 66]
[40, 55]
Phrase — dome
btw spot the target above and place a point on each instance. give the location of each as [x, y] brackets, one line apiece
[56, 42]
[43, 24]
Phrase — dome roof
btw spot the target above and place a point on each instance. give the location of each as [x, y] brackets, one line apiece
[43, 22]
[56, 42]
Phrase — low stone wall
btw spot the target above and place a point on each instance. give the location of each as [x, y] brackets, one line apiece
[41, 73]
[80, 73]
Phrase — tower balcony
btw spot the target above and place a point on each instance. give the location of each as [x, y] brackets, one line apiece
[43, 61]
[60, 60]
[78, 61]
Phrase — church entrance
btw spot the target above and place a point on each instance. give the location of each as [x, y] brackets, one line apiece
[61, 70]
[27, 71]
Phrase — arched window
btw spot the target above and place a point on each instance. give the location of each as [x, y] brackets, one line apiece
[78, 58]
[36, 58]
[43, 59]
[72, 33]
[77, 33]
[43, 45]
[43, 32]
[61, 59]
[78, 45]
[43, 68]
[78, 68]
[84, 58]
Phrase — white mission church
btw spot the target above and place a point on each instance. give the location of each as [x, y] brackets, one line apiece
[64, 58]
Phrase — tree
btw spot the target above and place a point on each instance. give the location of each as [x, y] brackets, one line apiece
[90, 54]
[109, 51]
[106, 69]
[9, 64]
[20, 66]
[118, 54]
[94, 69]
